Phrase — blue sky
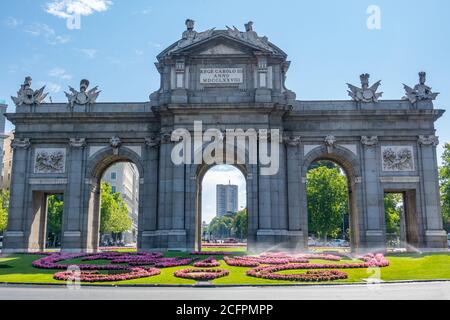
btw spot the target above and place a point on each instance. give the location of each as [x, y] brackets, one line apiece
[328, 43]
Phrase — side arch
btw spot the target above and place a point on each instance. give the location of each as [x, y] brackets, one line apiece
[103, 159]
[353, 170]
[342, 156]
[96, 166]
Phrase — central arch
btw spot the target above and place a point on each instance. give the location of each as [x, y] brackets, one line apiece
[348, 161]
[201, 172]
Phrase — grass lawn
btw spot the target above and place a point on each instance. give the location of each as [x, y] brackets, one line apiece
[229, 249]
[18, 269]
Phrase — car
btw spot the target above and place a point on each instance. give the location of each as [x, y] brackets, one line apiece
[230, 240]
[338, 243]
[311, 242]
[1, 242]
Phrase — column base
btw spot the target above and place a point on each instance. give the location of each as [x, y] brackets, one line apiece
[375, 241]
[436, 239]
[278, 240]
[162, 240]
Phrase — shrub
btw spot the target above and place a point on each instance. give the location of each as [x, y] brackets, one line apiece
[268, 272]
[207, 263]
[95, 276]
[201, 274]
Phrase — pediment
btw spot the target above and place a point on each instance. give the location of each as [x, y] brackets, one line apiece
[221, 49]
[221, 42]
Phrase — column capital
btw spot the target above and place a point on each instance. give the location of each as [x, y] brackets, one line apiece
[428, 140]
[166, 138]
[21, 143]
[77, 142]
[292, 141]
[153, 141]
[369, 141]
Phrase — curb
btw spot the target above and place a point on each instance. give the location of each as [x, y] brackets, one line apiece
[212, 286]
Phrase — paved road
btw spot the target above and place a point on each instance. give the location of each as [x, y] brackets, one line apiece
[435, 290]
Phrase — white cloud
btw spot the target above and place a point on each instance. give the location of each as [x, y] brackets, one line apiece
[60, 40]
[60, 73]
[44, 30]
[12, 22]
[155, 44]
[40, 29]
[66, 8]
[145, 11]
[53, 87]
[50, 86]
[89, 53]
[139, 52]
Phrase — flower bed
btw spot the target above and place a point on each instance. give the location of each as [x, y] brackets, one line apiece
[201, 274]
[212, 253]
[254, 261]
[239, 262]
[224, 245]
[173, 262]
[119, 261]
[207, 263]
[300, 257]
[137, 265]
[95, 276]
[268, 272]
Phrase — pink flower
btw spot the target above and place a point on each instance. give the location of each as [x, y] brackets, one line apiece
[201, 274]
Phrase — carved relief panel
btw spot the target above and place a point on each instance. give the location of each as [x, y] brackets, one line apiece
[397, 158]
[50, 160]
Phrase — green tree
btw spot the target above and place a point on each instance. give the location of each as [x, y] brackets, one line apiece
[221, 227]
[4, 204]
[55, 208]
[327, 196]
[114, 212]
[323, 163]
[392, 211]
[240, 224]
[444, 180]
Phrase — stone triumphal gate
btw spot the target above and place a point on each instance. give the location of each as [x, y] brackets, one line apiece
[226, 79]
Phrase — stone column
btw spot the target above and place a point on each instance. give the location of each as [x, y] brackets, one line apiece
[191, 201]
[293, 177]
[252, 207]
[177, 235]
[375, 235]
[73, 197]
[265, 234]
[179, 92]
[435, 236]
[15, 239]
[262, 92]
[148, 196]
[171, 232]
[165, 179]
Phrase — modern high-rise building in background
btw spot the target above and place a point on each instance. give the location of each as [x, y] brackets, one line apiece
[226, 199]
[124, 178]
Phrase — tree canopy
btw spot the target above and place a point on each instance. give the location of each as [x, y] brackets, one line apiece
[392, 211]
[327, 196]
[444, 180]
[55, 208]
[114, 212]
[229, 226]
[240, 224]
[4, 203]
